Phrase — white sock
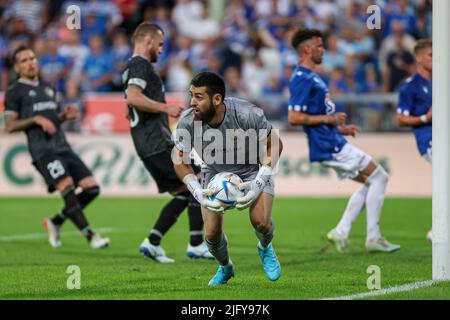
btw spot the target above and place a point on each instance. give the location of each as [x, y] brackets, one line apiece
[354, 207]
[374, 202]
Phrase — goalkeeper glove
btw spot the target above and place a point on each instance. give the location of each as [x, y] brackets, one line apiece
[254, 187]
[201, 195]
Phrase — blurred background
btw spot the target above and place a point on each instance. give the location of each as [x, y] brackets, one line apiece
[246, 41]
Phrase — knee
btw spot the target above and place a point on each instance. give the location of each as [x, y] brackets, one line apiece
[94, 191]
[213, 236]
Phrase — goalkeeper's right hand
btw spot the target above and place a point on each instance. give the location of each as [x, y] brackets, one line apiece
[201, 195]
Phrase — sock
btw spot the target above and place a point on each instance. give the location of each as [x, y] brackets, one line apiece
[74, 212]
[84, 198]
[374, 202]
[219, 250]
[167, 218]
[59, 218]
[354, 208]
[265, 239]
[195, 222]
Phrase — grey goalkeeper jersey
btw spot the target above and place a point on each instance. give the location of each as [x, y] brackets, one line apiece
[237, 145]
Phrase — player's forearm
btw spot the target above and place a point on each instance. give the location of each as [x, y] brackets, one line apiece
[410, 121]
[19, 124]
[274, 150]
[181, 163]
[182, 170]
[297, 118]
[145, 104]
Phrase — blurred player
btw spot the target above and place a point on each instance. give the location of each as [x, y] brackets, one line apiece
[310, 106]
[30, 106]
[148, 113]
[415, 101]
[216, 115]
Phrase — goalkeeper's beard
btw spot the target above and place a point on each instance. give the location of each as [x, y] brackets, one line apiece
[206, 116]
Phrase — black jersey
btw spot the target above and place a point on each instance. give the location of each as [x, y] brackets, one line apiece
[29, 100]
[150, 131]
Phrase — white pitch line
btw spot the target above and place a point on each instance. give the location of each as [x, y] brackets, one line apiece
[35, 236]
[382, 292]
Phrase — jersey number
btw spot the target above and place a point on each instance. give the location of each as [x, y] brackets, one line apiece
[134, 119]
[56, 169]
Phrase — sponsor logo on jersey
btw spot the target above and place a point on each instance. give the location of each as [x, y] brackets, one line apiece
[46, 105]
[32, 93]
[49, 91]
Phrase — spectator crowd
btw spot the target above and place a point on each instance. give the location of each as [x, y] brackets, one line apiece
[246, 41]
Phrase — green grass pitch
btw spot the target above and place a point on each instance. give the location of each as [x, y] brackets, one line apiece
[31, 269]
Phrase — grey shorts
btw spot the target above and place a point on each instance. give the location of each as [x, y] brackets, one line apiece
[269, 188]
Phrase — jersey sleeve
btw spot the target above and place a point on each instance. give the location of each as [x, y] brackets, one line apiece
[183, 135]
[137, 74]
[405, 100]
[259, 122]
[299, 88]
[12, 102]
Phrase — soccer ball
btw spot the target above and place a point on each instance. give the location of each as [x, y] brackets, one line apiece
[224, 188]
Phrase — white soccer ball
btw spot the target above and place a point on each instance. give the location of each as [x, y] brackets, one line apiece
[224, 188]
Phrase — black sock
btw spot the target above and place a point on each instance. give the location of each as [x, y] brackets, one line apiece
[74, 212]
[58, 219]
[84, 198]
[195, 222]
[167, 218]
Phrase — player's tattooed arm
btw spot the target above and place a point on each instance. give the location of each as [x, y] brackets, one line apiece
[13, 123]
[181, 163]
[301, 118]
[274, 149]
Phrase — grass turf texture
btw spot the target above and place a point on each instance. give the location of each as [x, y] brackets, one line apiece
[31, 269]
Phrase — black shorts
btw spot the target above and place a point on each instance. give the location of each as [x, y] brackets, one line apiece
[160, 166]
[55, 167]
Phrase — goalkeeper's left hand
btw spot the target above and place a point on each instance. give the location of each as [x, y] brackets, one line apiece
[254, 187]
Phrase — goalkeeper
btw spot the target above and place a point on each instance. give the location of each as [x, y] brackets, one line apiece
[211, 115]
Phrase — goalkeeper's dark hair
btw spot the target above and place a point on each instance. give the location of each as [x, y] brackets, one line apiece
[213, 82]
[303, 35]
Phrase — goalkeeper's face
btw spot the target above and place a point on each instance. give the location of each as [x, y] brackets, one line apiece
[201, 103]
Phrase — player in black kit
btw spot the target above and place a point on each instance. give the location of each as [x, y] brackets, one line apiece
[148, 113]
[31, 106]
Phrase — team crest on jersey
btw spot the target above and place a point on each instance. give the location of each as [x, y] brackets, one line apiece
[49, 91]
[32, 93]
[331, 107]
